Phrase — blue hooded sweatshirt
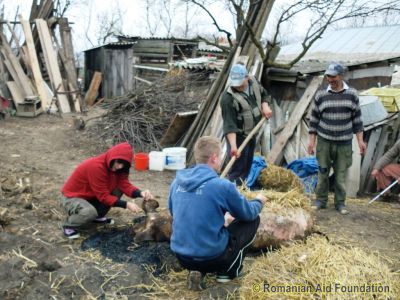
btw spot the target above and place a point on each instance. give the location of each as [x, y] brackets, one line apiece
[198, 201]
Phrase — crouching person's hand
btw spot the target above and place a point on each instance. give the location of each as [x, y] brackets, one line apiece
[262, 198]
[146, 195]
[132, 207]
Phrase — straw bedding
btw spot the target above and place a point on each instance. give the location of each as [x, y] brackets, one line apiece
[318, 269]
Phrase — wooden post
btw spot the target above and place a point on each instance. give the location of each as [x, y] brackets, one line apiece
[275, 155]
[69, 61]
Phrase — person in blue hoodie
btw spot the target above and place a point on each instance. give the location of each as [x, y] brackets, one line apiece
[198, 201]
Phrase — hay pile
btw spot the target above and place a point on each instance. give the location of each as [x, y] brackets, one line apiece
[279, 202]
[279, 179]
[320, 270]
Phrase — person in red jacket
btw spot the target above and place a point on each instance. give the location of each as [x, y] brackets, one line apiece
[96, 185]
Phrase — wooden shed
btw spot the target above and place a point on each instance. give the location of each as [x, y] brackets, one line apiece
[152, 56]
[114, 61]
[134, 58]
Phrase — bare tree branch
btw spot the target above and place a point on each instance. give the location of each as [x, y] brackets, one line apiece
[228, 34]
[225, 49]
[151, 26]
[328, 13]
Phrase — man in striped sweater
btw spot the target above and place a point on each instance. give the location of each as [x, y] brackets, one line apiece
[335, 117]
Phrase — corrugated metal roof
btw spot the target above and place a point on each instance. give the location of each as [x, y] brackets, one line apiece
[112, 44]
[200, 63]
[136, 38]
[349, 46]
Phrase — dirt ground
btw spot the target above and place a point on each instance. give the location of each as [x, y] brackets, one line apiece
[37, 262]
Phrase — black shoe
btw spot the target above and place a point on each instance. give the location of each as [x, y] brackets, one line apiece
[103, 220]
[195, 281]
[225, 277]
[70, 233]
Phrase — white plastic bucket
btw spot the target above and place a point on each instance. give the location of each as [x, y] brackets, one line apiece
[175, 158]
[157, 160]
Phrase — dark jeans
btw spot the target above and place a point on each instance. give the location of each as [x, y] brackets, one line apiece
[241, 168]
[241, 235]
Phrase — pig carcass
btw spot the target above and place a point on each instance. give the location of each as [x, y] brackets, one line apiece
[157, 226]
[275, 229]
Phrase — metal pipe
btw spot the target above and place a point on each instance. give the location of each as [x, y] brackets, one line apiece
[384, 191]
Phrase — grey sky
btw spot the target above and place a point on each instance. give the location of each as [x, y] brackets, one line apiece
[134, 18]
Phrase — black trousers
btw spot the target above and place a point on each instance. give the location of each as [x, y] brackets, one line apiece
[101, 208]
[241, 168]
[241, 235]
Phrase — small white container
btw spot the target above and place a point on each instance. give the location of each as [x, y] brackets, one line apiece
[175, 158]
[157, 160]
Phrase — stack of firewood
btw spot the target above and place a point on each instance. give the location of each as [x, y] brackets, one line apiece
[142, 116]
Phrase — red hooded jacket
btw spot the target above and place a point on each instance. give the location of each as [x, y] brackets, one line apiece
[93, 178]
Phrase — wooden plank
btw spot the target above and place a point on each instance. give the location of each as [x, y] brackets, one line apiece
[304, 138]
[266, 140]
[15, 91]
[13, 74]
[22, 78]
[50, 57]
[289, 152]
[43, 95]
[275, 155]
[353, 173]
[294, 150]
[22, 51]
[298, 131]
[366, 166]
[383, 139]
[93, 88]
[178, 126]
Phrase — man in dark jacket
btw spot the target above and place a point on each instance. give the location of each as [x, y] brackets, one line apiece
[96, 185]
[243, 104]
[198, 201]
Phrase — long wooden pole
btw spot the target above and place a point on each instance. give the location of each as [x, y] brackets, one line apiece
[245, 142]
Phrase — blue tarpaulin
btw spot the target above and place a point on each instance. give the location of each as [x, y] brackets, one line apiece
[307, 169]
[256, 167]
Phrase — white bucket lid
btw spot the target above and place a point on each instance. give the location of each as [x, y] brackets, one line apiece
[173, 150]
